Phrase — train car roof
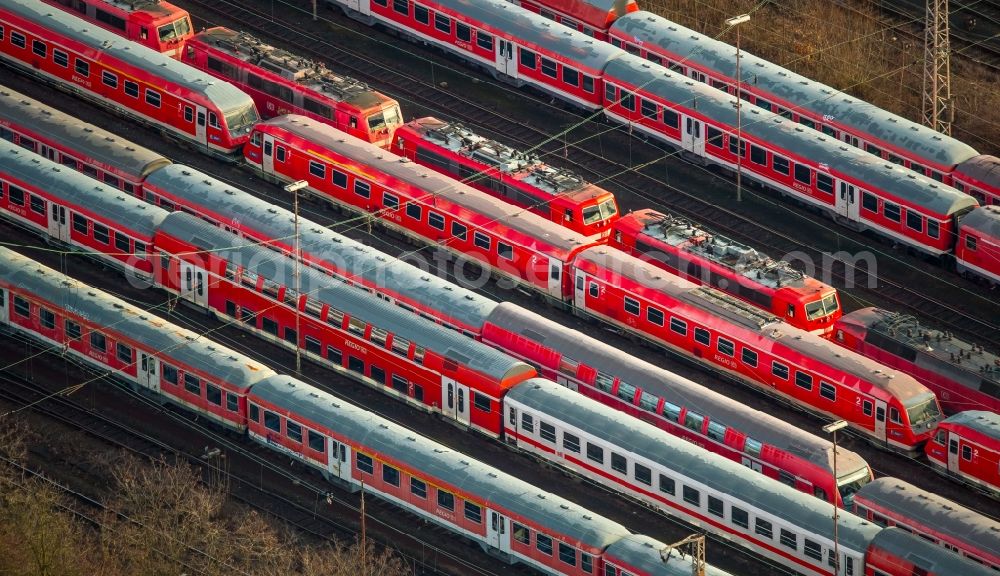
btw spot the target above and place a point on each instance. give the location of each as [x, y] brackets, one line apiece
[341, 252]
[597, 13]
[984, 168]
[438, 463]
[631, 435]
[935, 559]
[226, 96]
[935, 512]
[662, 383]
[535, 31]
[983, 421]
[788, 135]
[644, 553]
[158, 336]
[801, 92]
[985, 220]
[352, 301]
[91, 141]
[536, 229]
[79, 189]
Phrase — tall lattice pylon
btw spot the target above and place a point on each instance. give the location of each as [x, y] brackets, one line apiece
[937, 109]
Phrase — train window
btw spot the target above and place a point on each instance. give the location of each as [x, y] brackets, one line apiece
[749, 357]
[593, 289]
[632, 306]
[73, 333]
[779, 370]
[122, 244]
[588, 83]
[232, 403]
[702, 336]
[390, 201]
[132, 89]
[60, 58]
[355, 365]
[655, 316]
[291, 336]
[967, 453]
[1, 32]
[481, 240]
[626, 391]
[716, 507]
[459, 231]
[389, 474]
[866, 407]
[763, 528]
[643, 474]
[317, 108]
[609, 93]
[214, 395]
[914, 220]
[595, 453]
[473, 513]
[894, 416]
[786, 478]
[648, 108]
[18, 39]
[213, 121]
[48, 320]
[667, 485]
[79, 223]
[692, 496]
[192, 384]
[528, 58]
[110, 19]
[548, 67]
[463, 32]
[365, 463]
[362, 189]
[752, 447]
[733, 144]
[824, 183]
[869, 202]
[828, 130]
[485, 41]
[813, 550]
[335, 356]
[604, 382]
[713, 135]
[970, 242]
[170, 376]
[503, 249]
[803, 380]
[445, 499]
[628, 101]
[482, 403]
[543, 543]
[763, 103]
[693, 421]
[382, 3]
[415, 211]
[547, 431]
[586, 560]
[758, 155]
[933, 228]
[873, 150]
[571, 77]
[401, 6]
[567, 554]
[528, 423]
[109, 79]
[891, 211]
[37, 204]
[317, 441]
[15, 195]
[442, 23]
[521, 533]
[399, 384]
[619, 464]
[937, 176]
[780, 164]
[827, 391]
[571, 443]
[807, 122]
[339, 179]
[654, 58]
[418, 488]
[679, 326]
[803, 174]
[716, 431]
[123, 352]
[789, 539]
[726, 347]
[318, 170]
[98, 342]
[672, 411]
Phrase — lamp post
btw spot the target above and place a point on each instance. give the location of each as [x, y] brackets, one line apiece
[735, 22]
[294, 188]
[832, 428]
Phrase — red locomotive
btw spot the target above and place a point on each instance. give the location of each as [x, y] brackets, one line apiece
[282, 83]
[155, 24]
[683, 248]
[963, 375]
[967, 446]
[499, 170]
[148, 86]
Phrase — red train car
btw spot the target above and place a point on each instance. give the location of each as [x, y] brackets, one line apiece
[967, 446]
[963, 375]
[683, 248]
[895, 552]
[894, 502]
[416, 201]
[889, 407]
[591, 17]
[284, 83]
[155, 24]
[499, 170]
[143, 84]
[980, 178]
[977, 252]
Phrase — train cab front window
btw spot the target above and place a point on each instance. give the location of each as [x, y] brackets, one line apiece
[849, 485]
[923, 409]
[823, 307]
[242, 120]
[387, 120]
[600, 212]
[175, 30]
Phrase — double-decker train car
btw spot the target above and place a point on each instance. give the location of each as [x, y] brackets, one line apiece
[136, 81]
[501, 171]
[683, 248]
[963, 375]
[283, 83]
[155, 24]
[895, 502]
[348, 445]
[677, 405]
[967, 446]
[977, 252]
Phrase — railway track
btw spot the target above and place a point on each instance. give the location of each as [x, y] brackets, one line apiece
[642, 180]
[316, 520]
